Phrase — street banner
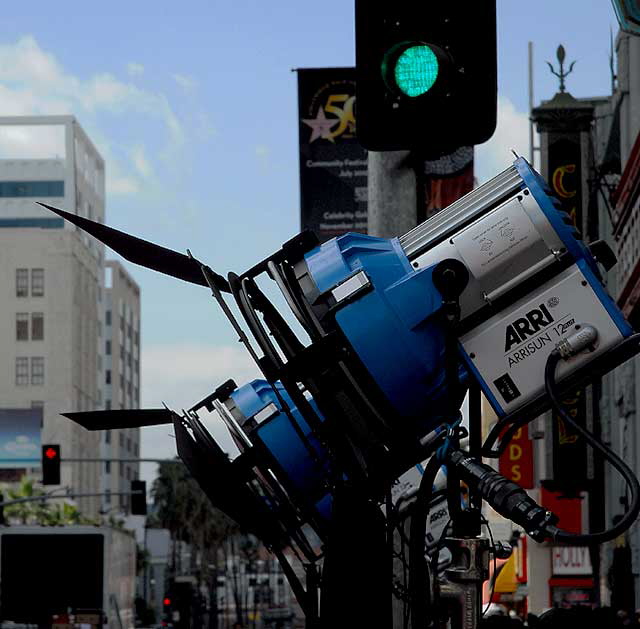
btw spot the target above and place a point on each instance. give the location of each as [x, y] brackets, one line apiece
[333, 165]
[20, 437]
[565, 177]
[446, 180]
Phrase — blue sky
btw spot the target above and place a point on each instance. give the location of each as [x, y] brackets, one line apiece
[193, 107]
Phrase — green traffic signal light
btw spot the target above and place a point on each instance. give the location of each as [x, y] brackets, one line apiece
[412, 69]
[416, 70]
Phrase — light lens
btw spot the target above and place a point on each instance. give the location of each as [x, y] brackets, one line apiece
[416, 70]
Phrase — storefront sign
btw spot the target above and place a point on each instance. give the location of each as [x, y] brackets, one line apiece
[516, 462]
[573, 560]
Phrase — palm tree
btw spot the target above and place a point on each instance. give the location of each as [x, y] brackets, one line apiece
[184, 509]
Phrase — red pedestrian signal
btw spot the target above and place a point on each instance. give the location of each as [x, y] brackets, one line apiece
[167, 602]
[51, 464]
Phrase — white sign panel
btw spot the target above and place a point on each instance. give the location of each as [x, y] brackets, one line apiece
[571, 560]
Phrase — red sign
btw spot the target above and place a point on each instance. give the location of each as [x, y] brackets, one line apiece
[50, 453]
[516, 462]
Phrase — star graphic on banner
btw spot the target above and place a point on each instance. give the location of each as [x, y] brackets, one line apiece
[321, 126]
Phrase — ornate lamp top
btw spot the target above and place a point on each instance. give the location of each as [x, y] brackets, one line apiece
[560, 55]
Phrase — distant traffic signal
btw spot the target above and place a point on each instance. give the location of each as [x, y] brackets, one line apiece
[138, 497]
[426, 74]
[51, 464]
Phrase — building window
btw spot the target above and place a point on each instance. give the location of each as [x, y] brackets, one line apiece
[107, 496]
[121, 468]
[107, 407]
[107, 348]
[37, 282]
[121, 440]
[121, 382]
[122, 325]
[37, 370]
[22, 282]
[22, 326]
[107, 376]
[107, 433]
[22, 371]
[128, 471]
[107, 317]
[11, 189]
[107, 467]
[129, 444]
[37, 326]
[136, 449]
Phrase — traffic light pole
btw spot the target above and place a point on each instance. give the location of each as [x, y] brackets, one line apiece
[114, 460]
[8, 503]
[393, 193]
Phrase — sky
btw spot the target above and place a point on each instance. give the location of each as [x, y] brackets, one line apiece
[193, 107]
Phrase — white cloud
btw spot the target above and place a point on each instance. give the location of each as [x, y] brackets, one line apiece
[184, 81]
[32, 82]
[140, 161]
[134, 69]
[182, 374]
[262, 151]
[512, 133]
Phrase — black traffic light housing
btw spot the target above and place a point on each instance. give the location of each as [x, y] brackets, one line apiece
[138, 497]
[454, 45]
[51, 464]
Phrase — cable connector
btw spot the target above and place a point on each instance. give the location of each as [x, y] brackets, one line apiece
[505, 496]
[584, 337]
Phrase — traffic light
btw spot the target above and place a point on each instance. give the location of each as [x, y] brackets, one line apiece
[138, 497]
[51, 464]
[166, 611]
[426, 74]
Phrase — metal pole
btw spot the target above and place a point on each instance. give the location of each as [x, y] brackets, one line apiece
[72, 496]
[98, 460]
[531, 149]
[392, 192]
[475, 433]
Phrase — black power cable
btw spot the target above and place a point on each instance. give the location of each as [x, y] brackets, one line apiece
[625, 471]
[419, 583]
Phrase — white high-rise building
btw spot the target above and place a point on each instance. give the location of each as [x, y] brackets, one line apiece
[121, 382]
[52, 296]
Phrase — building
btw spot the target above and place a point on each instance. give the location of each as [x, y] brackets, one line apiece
[52, 286]
[121, 381]
[618, 176]
[600, 152]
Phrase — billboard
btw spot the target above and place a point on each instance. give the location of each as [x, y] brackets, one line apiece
[333, 165]
[20, 437]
